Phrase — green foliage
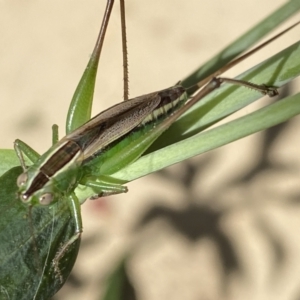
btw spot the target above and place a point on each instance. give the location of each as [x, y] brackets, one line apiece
[29, 241]
[119, 286]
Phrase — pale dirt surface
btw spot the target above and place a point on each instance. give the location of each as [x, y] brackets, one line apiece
[225, 225]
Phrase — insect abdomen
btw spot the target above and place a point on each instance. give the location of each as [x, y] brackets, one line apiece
[171, 99]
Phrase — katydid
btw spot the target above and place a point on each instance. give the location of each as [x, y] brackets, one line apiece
[77, 157]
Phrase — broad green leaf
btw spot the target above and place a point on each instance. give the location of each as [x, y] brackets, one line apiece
[8, 160]
[29, 244]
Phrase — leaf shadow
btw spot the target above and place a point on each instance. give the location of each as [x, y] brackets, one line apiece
[196, 221]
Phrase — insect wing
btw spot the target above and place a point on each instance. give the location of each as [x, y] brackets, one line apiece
[112, 124]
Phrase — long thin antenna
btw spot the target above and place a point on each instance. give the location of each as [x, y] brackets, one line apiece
[124, 51]
[244, 56]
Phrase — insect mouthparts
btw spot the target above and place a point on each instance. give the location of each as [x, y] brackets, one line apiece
[23, 197]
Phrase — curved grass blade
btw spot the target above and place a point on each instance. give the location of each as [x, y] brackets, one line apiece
[243, 43]
[275, 71]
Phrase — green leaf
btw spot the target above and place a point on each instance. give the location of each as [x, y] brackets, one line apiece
[29, 243]
[8, 160]
[119, 286]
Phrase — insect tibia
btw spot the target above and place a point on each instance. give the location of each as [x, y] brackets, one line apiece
[124, 50]
[20, 155]
[262, 88]
[61, 253]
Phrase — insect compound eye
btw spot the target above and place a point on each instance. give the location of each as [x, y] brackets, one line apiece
[46, 199]
[22, 179]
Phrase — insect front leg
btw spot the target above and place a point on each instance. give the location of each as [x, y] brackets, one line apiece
[74, 206]
[104, 186]
[22, 148]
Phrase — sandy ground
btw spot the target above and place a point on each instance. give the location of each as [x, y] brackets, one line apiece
[221, 226]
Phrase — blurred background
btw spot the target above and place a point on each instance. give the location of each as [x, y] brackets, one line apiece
[224, 225]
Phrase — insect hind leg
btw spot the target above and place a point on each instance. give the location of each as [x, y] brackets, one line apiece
[104, 186]
[74, 206]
